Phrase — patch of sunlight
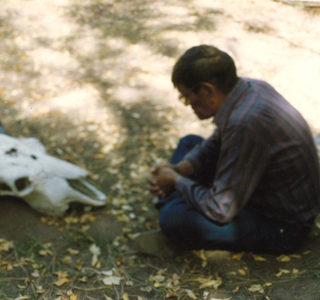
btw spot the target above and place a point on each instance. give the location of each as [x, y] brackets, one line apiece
[117, 43]
[86, 96]
[44, 18]
[128, 94]
[295, 80]
[45, 57]
[86, 45]
[176, 10]
[166, 21]
[208, 4]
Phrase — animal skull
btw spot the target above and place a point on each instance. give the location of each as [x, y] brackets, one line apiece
[46, 183]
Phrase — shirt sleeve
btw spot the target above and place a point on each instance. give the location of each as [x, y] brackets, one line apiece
[242, 161]
[206, 154]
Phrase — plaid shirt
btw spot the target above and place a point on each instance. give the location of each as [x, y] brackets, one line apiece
[262, 156]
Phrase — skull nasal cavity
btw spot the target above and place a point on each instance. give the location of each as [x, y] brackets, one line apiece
[22, 183]
[4, 187]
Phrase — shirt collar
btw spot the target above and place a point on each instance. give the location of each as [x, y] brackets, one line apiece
[228, 104]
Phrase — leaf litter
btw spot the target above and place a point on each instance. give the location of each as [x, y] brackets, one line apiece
[89, 265]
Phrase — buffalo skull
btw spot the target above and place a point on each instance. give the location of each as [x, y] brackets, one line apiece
[46, 183]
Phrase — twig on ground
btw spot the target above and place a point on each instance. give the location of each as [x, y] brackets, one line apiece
[244, 279]
[12, 279]
[90, 238]
[91, 289]
[309, 294]
[18, 260]
[44, 295]
[242, 282]
[53, 261]
[118, 296]
[33, 289]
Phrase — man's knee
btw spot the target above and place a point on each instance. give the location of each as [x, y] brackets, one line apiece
[190, 140]
[173, 217]
[168, 221]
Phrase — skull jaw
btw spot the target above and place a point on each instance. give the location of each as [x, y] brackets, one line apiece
[52, 196]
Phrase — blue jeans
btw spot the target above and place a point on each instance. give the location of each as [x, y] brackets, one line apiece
[249, 231]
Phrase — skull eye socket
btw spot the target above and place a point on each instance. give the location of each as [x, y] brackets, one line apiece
[12, 152]
[22, 183]
[4, 187]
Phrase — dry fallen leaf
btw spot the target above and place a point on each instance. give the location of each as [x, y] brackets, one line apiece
[95, 250]
[211, 283]
[61, 274]
[267, 284]
[47, 245]
[175, 279]
[67, 260]
[172, 295]
[236, 289]
[40, 290]
[317, 221]
[242, 272]
[79, 264]
[157, 284]
[238, 256]
[258, 258]
[111, 280]
[214, 255]
[7, 265]
[83, 279]
[283, 258]
[256, 288]
[22, 298]
[191, 294]
[45, 252]
[125, 296]
[157, 278]
[61, 281]
[72, 251]
[71, 220]
[35, 274]
[147, 289]
[282, 271]
[200, 254]
[6, 245]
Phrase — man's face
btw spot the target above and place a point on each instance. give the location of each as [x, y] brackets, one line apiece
[199, 99]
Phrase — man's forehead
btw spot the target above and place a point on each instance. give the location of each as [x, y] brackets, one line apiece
[183, 89]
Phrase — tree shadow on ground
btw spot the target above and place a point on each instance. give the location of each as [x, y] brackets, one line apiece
[140, 132]
[143, 22]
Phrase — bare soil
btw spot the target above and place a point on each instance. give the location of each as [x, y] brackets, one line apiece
[91, 80]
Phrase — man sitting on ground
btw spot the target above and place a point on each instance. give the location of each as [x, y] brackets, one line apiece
[251, 186]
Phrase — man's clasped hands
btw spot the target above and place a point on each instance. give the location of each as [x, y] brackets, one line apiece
[163, 177]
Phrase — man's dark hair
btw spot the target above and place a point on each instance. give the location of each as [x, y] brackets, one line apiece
[205, 64]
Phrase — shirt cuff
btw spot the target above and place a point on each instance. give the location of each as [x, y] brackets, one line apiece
[183, 184]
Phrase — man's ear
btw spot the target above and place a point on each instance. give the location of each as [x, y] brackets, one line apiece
[208, 89]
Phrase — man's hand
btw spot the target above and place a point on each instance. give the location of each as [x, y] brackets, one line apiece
[184, 168]
[162, 180]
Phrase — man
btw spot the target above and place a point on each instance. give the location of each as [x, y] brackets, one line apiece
[254, 184]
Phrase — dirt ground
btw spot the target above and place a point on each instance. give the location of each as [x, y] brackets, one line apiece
[91, 80]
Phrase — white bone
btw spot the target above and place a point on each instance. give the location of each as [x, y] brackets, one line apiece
[46, 183]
